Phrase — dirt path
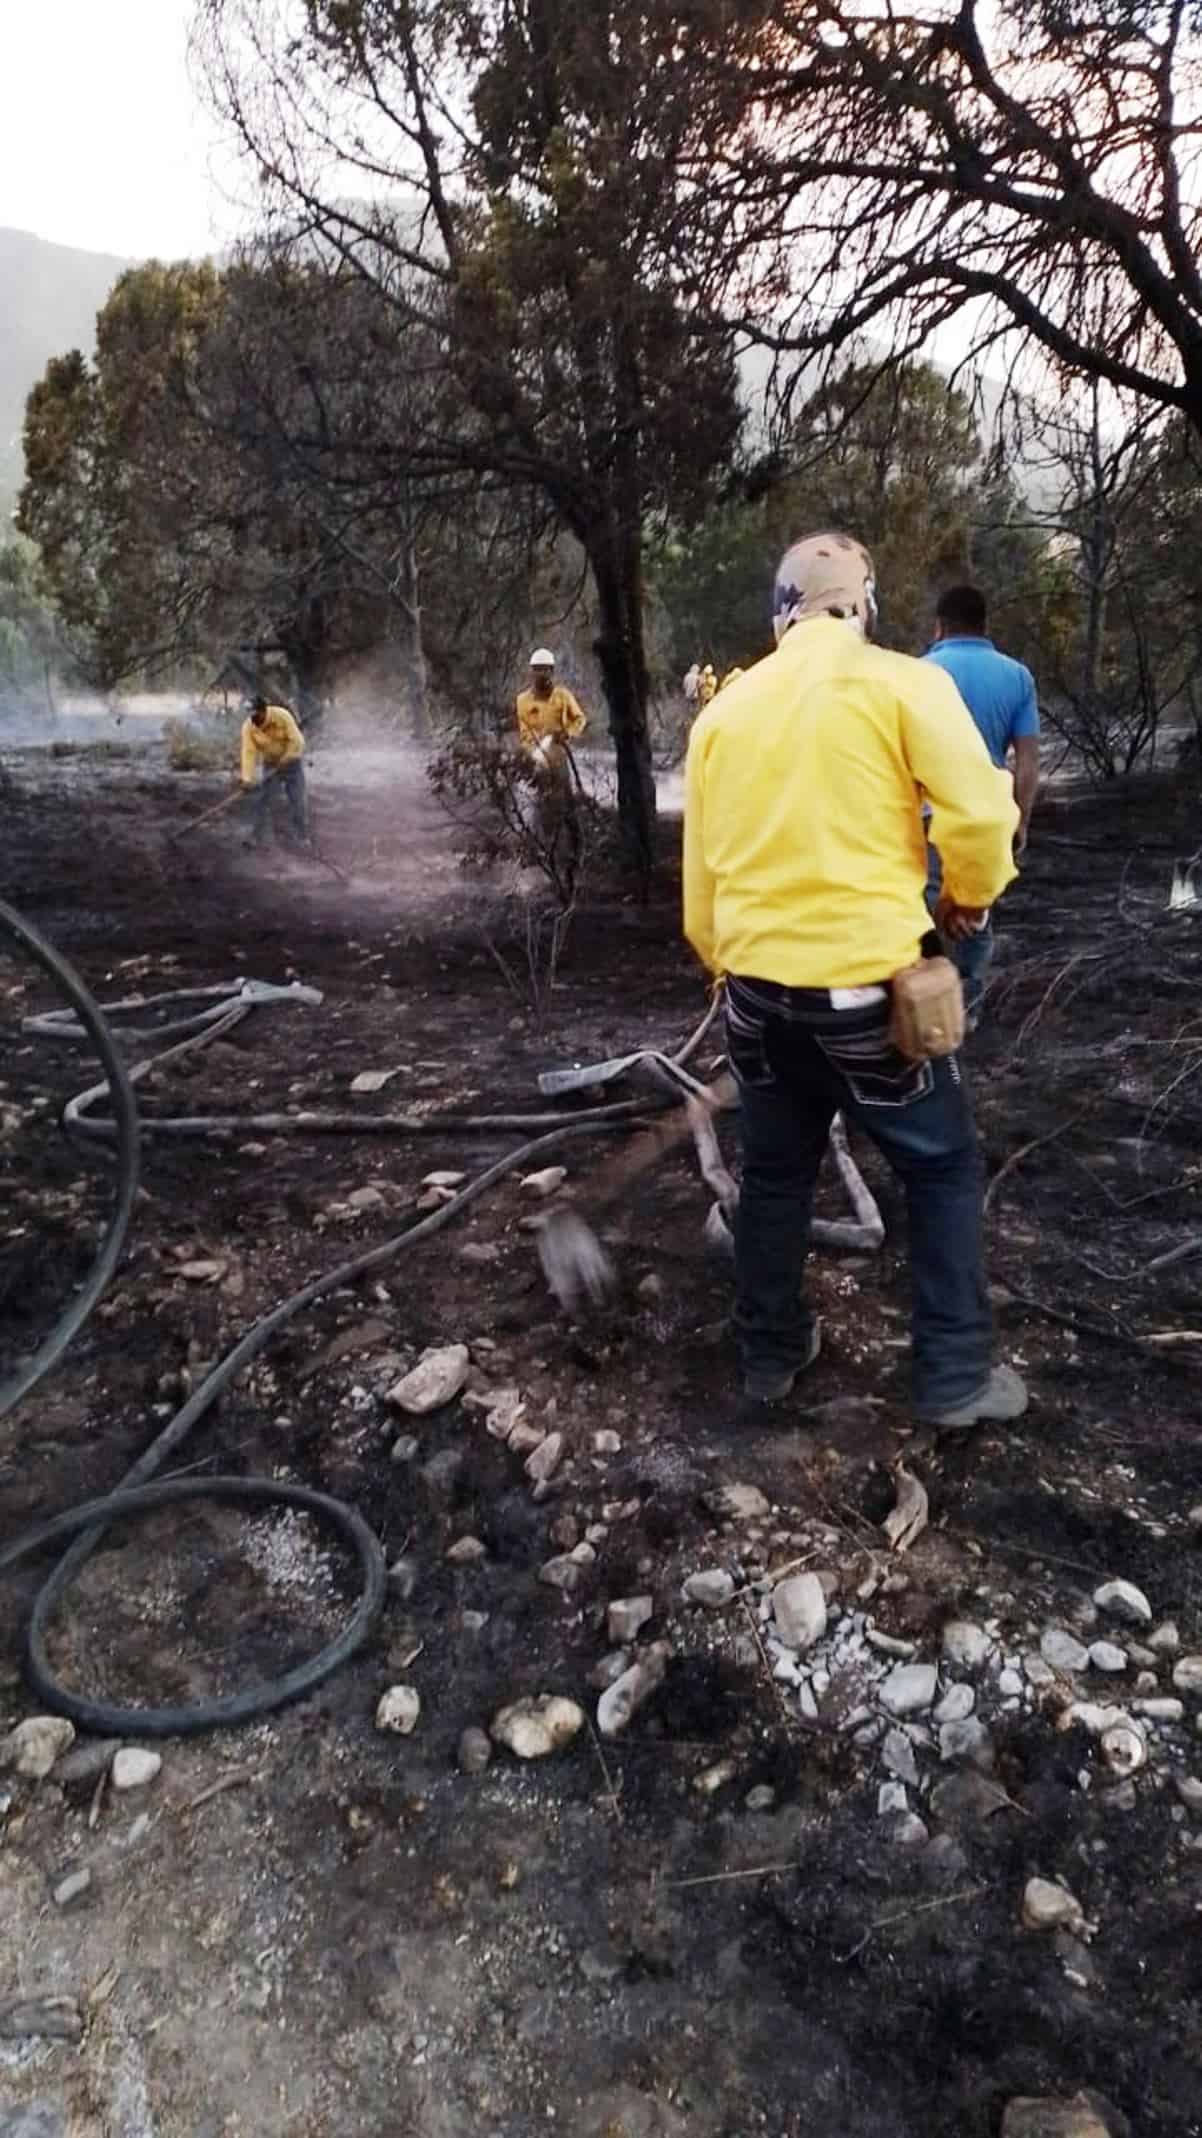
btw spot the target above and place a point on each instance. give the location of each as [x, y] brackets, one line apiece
[703, 1929]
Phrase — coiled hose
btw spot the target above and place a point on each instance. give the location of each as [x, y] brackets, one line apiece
[137, 1494]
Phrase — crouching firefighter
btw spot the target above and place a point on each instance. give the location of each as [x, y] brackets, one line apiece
[273, 751]
[804, 876]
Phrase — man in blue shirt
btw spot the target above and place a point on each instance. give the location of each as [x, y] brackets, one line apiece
[1000, 695]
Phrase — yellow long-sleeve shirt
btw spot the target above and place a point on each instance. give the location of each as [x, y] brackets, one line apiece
[559, 715]
[804, 848]
[278, 742]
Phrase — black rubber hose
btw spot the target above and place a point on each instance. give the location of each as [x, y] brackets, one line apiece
[113, 1721]
[27, 1375]
[136, 1494]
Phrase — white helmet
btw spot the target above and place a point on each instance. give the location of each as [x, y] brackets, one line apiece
[541, 658]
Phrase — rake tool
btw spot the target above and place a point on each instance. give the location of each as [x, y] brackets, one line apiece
[574, 1262]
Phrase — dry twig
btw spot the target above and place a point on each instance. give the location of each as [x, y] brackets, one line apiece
[903, 1915]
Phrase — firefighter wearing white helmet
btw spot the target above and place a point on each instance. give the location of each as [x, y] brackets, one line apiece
[547, 712]
[549, 720]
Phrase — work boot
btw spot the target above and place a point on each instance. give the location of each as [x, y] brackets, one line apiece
[999, 1399]
[775, 1387]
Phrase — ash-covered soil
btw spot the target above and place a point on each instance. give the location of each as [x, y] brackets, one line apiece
[704, 1927]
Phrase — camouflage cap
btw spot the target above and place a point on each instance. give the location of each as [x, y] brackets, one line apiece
[824, 575]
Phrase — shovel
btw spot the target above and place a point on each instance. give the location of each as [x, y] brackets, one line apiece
[574, 1262]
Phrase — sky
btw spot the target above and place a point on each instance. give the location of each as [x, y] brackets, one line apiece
[104, 143]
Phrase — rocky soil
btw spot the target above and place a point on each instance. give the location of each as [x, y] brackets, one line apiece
[672, 1799]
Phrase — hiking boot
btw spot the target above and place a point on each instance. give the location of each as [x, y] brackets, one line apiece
[774, 1387]
[999, 1399]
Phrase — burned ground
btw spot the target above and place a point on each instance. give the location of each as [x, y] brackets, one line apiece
[352, 1936]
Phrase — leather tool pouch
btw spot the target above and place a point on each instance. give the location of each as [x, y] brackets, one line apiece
[927, 1015]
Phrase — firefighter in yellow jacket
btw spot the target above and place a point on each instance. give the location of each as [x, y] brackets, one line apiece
[549, 720]
[273, 751]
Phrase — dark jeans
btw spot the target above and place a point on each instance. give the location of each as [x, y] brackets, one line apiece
[798, 1061]
[290, 782]
[972, 957]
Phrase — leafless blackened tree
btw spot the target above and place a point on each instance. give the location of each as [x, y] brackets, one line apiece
[1031, 162]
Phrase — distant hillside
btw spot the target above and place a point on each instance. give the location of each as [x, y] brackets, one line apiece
[49, 298]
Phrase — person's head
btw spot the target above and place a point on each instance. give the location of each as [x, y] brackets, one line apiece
[542, 671]
[825, 575]
[258, 710]
[961, 612]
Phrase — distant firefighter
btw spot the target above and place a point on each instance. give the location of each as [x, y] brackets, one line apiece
[273, 751]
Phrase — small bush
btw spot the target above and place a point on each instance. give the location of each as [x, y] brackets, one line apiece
[189, 749]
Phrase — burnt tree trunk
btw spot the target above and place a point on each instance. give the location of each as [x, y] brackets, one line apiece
[621, 652]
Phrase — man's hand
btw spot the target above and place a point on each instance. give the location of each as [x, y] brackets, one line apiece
[957, 923]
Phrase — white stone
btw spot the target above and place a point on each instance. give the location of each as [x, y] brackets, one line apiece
[799, 1609]
[1124, 1749]
[546, 1183]
[35, 1744]
[1049, 1907]
[909, 1831]
[1009, 1685]
[1122, 1600]
[545, 1458]
[1166, 1640]
[1189, 1789]
[807, 1702]
[435, 1381]
[965, 1644]
[1105, 1655]
[1187, 1674]
[626, 1617]
[71, 1888]
[956, 1705]
[538, 1725]
[1038, 1671]
[398, 1709]
[504, 1408]
[967, 1740]
[897, 1754]
[626, 1695]
[909, 1689]
[1063, 1650]
[741, 1503]
[365, 1199]
[606, 1442]
[1159, 1710]
[1092, 1715]
[133, 1767]
[891, 1797]
[712, 1587]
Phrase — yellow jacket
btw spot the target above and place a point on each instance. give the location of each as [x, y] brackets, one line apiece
[558, 715]
[804, 849]
[278, 742]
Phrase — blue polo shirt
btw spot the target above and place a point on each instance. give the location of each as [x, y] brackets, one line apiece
[999, 692]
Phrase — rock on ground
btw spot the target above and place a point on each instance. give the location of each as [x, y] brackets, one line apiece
[1063, 1650]
[740, 1503]
[1187, 1674]
[537, 1725]
[133, 1767]
[1122, 1600]
[435, 1381]
[965, 1644]
[712, 1587]
[475, 1751]
[34, 1745]
[398, 1709]
[909, 1689]
[799, 1609]
[621, 1700]
[1054, 2119]
[1049, 1907]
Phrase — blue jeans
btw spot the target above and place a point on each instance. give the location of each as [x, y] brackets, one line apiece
[973, 956]
[290, 782]
[798, 1062]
